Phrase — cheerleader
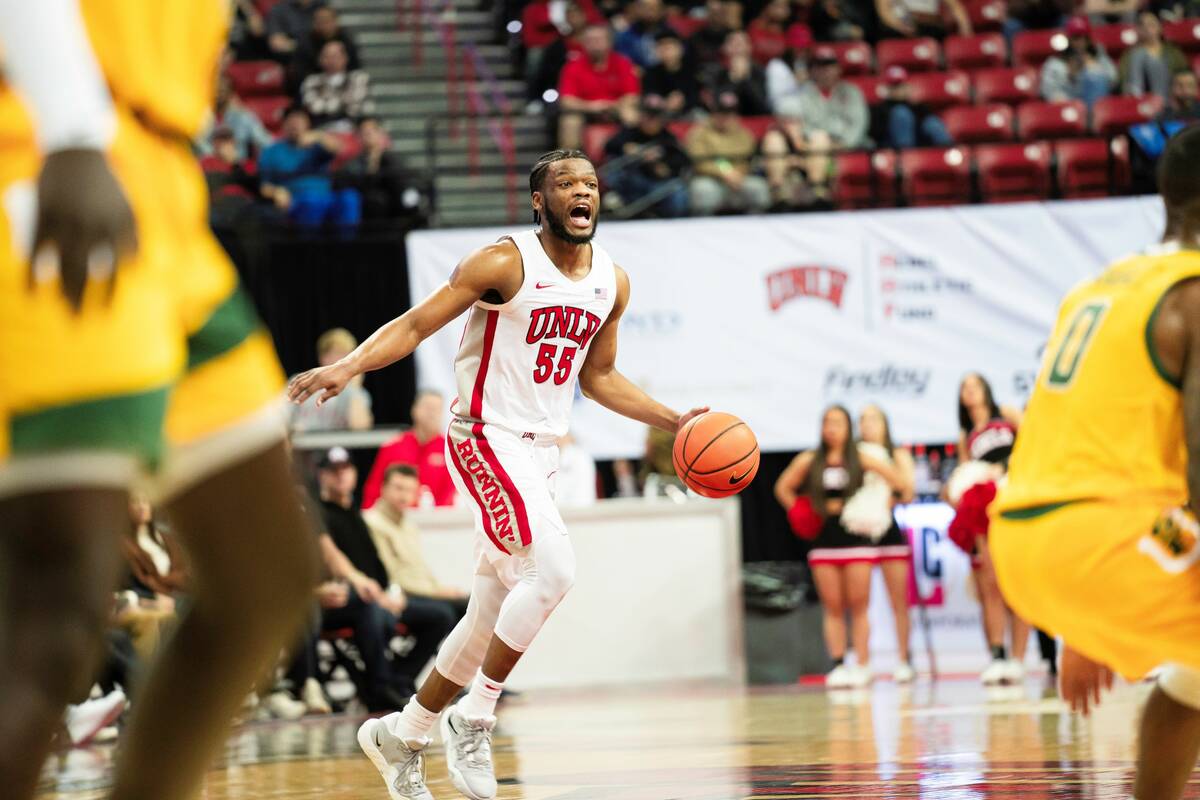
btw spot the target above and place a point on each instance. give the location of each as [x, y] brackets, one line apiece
[869, 513]
[814, 489]
[987, 432]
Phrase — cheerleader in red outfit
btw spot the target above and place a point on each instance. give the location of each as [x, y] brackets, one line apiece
[987, 434]
[814, 489]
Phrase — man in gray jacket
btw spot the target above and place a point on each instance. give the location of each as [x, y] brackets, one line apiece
[828, 104]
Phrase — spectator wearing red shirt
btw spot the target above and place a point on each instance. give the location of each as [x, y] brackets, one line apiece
[423, 446]
[601, 85]
[768, 33]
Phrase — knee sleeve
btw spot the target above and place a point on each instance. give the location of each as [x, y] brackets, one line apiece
[464, 649]
[548, 574]
[1182, 684]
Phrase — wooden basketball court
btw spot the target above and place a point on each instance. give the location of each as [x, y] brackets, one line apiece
[951, 740]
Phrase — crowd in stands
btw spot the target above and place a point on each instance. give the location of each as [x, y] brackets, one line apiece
[294, 138]
[944, 92]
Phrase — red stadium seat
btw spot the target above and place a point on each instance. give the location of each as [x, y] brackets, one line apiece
[684, 24]
[1013, 172]
[255, 78]
[987, 15]
[269, 109]
[351, 147]
[1091, 167]
[915, 55]
[1006, 85]
[1113, 115]
[855, 57]
[940, 89]
[973, 124]
[595, 136]
[264, 6]
[1185, 33]
[1052, 120]
[936, 176]
[757, 125]
[872, 87]
[865, 180]
[976, 52]
[1115, 39]
[1031, 48]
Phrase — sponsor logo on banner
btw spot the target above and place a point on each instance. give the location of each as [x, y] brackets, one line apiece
[910, 286]
[886, 379]
[822, 283]
[658, 322]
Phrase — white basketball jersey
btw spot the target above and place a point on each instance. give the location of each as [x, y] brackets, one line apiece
[518, 362]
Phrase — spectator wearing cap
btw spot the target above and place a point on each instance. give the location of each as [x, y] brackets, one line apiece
[598, 85]
[786, 74]
[325, 29]
[288, 24]
[337, 96]
[544, 65]
[1081, 72]
[722, 152]
[740, 76]
[350, 410]
[706, 43]
[901, 123]
[249, 134]
[637, 41]
[299, 162]
[648, 160]
[829, 105]
[670, 79]
[769, 32]
[909, 18]
[1147, 67]
[423, 445]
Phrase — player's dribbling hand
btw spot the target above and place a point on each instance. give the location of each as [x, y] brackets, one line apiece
[689, 416]
[1081, 680]
[84, 228]
[324, 382]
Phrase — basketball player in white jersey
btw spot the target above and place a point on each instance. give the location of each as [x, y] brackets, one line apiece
[544, 306]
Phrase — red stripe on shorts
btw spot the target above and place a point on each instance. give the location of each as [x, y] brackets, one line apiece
[518, 503]
[470, 484]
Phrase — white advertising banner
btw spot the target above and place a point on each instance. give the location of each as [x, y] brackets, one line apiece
[773, 318]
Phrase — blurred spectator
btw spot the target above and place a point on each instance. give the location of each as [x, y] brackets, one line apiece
[598, 86]
[575, 482]
[1147, 68]
[248, 32]
[155, 558]
[543, 68]
[670, 78]
[379, 176]
[1183, 105]
[796, 162]
[1175, 9]
[399, 543]
[299, 162]
[1036, 15]
[901, 123]
[544, 22]
[909, 18]
[842, 20]
[1082, 72]
[740, 76]
[769, 32]
[288, 24]
[828, 104]
[1106, 12]
[786, 74]
[721, 149]
[707, 42]
[232, 186]
[637, 42]
[325, 29]
[337, 95]
[350, 410]
[351, 541]
[651, 161]
[250, 136]
[423, 445]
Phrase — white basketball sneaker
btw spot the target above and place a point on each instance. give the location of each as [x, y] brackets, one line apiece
[838, 677]
[468, 744]
[996, 672]
[904, 673]
[1014, 671]
[401, 762]
[859, 677]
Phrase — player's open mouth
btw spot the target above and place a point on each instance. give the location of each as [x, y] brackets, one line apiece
[581, 215]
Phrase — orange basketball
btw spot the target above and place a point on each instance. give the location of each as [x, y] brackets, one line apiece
[716, 454]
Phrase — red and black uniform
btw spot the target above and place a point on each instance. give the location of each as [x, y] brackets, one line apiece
[833, 543]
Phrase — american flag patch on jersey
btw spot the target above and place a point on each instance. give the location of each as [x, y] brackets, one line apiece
[602, 294]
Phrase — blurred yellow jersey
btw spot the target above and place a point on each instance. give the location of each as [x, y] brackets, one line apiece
[1105, 420]
[159, 58]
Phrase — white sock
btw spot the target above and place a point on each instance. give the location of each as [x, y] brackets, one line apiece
[414, 722]
[481, 700]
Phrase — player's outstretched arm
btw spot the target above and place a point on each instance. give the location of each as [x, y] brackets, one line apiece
[495, 268]
[601, 381]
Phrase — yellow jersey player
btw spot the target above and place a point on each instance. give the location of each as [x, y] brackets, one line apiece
[1095, 536]
[126, 348]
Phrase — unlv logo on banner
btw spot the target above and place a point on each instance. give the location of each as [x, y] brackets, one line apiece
[823, 283]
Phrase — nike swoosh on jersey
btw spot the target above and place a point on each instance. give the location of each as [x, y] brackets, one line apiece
[540, 285]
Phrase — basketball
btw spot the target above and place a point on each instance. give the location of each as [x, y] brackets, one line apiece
[716, 454]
